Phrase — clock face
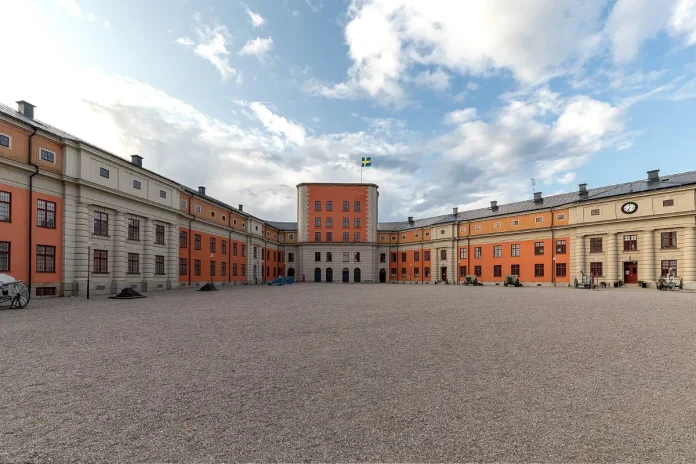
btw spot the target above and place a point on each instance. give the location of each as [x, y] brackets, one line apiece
[629, 208]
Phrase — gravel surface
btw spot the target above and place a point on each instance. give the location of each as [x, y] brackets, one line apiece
[319, 372]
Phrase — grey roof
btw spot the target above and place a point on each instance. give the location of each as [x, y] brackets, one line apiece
[554, 201]
[282, 225]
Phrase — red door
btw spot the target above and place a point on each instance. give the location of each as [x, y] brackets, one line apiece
[630, 272]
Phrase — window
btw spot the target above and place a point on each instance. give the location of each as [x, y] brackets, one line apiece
[477, 227]
[416, 272]
[243, 270]
[223, 268]
[329, 236]
[346, 206]
[497, 225]
[596, 269]
[5, 206]
[104, 172]
[630, 242]
[382, 257]
[329, 257]
[317, 236]
[669, 240]
[443, 254]
[4, 256]
[197, 208]
[356, 257]
[136, 184]
[403, 237]
[317, 222]
[356, 222]
[498, 251]
[427, 234]
[183, 239]
[666, 203]
[196, 242]
[403, 272]
[393, 257]
[291, 257]
[356, 206]
[515, 269]
[212, 245]
[594, 212]
[427, 272]
[539, 219]
[101, 262]
[538, 248]
[243, 250]
[45, 258]
[317, 256]
[356, 237]
[46, 155]
[234, 269]
[317, 206]
[669, 267]
[560, 247]
[346, 222]
[197, 267]
[515, 222]
[243, 225]
[477, 252]
[133, 229]
[462, 253]
[163, 194]
[133, 263]
[223, 218]
[538, 270]
[183, 203]
[268, 255]
[4, 141]
[346, 237]
[426, 255]
[46, 291]
[212, 269]
[159, 264]
[560, 269]
[462, 271]
[159, 234]
[515, 249]
[46, 214]
[403, 257]
[393, 237]
[234, 249]
[346, 257]
[223, 247]
[212, 214]
[101, 223]
[329, 222]
[393, 272]
[442, 231]
[416, 256]
[497, 270]
[478, 271]
[560, 217]
[596, 245]
[329, 206]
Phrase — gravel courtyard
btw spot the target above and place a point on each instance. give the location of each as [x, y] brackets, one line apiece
[320, 372]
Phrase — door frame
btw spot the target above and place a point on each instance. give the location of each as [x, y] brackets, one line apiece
[329, 274]
[443, 273]
[634, 275]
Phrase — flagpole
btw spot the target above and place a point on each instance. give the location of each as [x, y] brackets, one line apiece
[361, 168]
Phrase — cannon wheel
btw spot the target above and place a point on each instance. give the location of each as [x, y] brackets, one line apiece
[22, 297]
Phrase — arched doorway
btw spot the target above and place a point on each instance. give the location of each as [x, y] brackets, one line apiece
[356, 275]
[317, 275]
[382, 276]
[329, 274]
[346, 275]
[291, 272]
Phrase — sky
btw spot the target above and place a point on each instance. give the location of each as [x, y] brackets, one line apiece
[457, 103]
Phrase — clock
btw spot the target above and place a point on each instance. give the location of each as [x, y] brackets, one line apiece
[629, 208]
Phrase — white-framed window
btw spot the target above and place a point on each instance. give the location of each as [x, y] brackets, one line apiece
[393, 237]
[560, 217]
[212, 214]
[381, 237]
[462, 253]
[594, 212]
[515, 222]
[243, 225]
[462, 230]
[539, 219]
[291, 236]
[280, 236]
[427, 234]
[497, 225]
[5, 141]
[478, 227]
[163, 194]
[103, 172]
[136, 184]
[416, 235]
[224, 218]
[403, 237]
[183, 203]
[198, 208]
[442, 231]
[47, 155]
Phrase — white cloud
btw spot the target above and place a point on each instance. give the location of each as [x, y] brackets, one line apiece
[295, 14]
[624, 145]
[315, 7]
[460, 116]
[107, 24]
[75, 10]
[567, 178]
[682, 23]
[257, 47]
[294, 132]
[437, 80]
[473, 86]
[256, 19]
[212, 45]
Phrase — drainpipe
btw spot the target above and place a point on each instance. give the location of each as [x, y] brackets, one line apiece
[468, 249]
[190, 237]
[422, 257]
[31, 210]
[229, 247]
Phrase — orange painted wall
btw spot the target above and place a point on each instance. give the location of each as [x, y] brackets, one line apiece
[526, 222]
[526, 260]
[272, 262]
[16, 232]
[205, 256]
[410, 265]
[337, 194]
[231, 219]
[285, 237]
[19, 146]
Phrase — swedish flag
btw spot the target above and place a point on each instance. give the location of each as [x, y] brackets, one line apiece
[366, 161]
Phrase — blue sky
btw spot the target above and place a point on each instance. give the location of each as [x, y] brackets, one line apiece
[457, 103]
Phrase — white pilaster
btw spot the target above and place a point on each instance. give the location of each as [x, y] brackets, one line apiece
[580, 256]
[81, 257]
[172, 260]
[612, 259]
[689, 260]
[119, 262]
[646, 269]
[148, 257]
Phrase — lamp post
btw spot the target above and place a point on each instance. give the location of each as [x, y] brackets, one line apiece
[459, 270]
[89, 256]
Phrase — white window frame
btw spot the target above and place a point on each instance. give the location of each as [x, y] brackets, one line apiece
[139, 184]
[403, 237]
[515, 222]
[212, 214]
[198, 208]
[163, 194]
[427, 234]
[183, 203]
[291, 236]
[10, 138]
[416, 235]
[47, 151]
[381, 237]
[497, 225]
[478, 227]
[539, 220]
[560, 217]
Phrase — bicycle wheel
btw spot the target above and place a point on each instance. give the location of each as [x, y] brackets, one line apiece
[22, 297]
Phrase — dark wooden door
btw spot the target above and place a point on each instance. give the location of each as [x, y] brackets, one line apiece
[329, 275]
[382, 276]
[630, 272]
[443, 274]
[317, 275]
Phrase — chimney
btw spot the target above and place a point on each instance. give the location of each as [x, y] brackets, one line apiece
[26, 108]
[137, 160]
[582, 189]
[455, 210]
[537, 197]
[494, 206]
[201, 190]
[241, 207]
[410, 220]
[654, 175]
